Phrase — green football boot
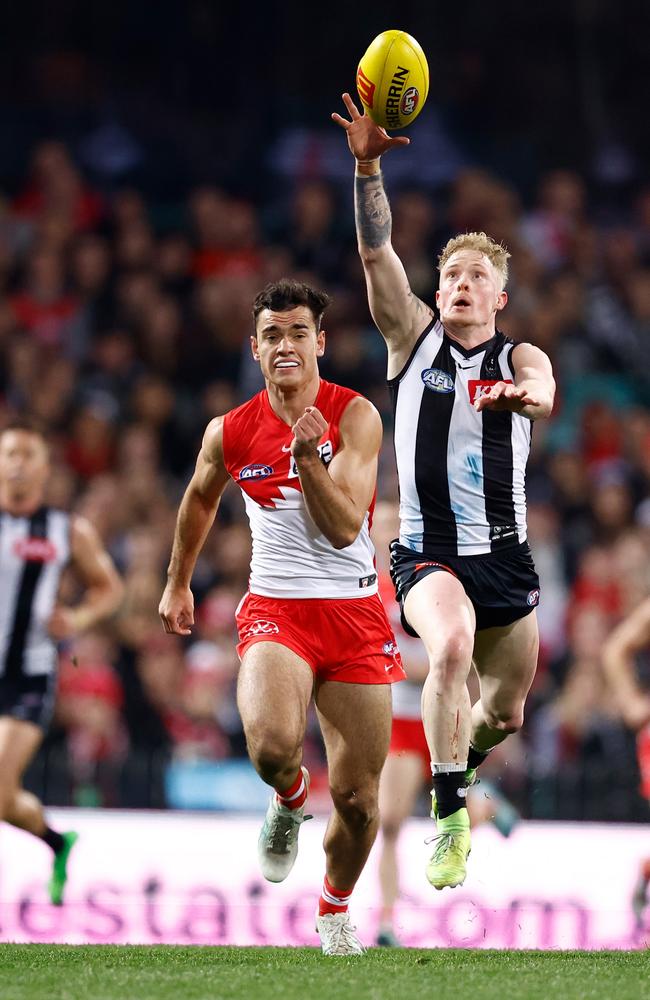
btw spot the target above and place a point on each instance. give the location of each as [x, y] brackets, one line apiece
[59, 876]
[447, 866]
[470, 777]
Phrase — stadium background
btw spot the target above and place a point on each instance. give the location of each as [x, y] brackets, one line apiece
[160, 163]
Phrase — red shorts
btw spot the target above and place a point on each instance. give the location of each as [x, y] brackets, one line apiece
[347, 640]
[407, 736]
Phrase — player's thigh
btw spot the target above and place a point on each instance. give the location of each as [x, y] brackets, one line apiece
[19, 741]
[401, 779]
[355, 721]
[274, 688]
[506, 660]
[439, 610]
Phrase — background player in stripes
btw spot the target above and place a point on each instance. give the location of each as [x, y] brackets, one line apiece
[304, 453]
[464, 396]
[36, 544]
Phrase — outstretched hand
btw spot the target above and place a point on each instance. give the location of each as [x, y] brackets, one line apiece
[505, 396]
[366, 139]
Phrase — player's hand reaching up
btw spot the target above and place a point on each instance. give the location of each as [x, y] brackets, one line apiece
[505, 396]
[307, 432]
[176, 610]
[366, 139]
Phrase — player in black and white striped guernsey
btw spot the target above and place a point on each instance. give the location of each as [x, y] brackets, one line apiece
[465, 397]
[36, 544]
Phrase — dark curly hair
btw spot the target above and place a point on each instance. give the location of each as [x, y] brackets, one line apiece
[288, 293]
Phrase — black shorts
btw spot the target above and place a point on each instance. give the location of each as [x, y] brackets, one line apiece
[30, 699]
[503, 586]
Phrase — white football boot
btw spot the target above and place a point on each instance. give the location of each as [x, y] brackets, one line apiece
[337, 935]
[277, 845]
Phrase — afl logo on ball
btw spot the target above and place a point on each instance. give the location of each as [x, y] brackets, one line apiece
[410, 101]
[437, 380]
[533, 598]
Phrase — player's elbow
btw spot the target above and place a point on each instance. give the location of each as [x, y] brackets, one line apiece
[342, 541]
[344, 536]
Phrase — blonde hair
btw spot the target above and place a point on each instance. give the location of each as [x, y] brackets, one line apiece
[496, 253]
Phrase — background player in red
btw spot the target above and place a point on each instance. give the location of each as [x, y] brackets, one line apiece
[629, 682]
[304, 452]
[37, 542]
[465, 396]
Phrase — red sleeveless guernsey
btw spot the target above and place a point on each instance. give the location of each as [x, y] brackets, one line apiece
[291, 558]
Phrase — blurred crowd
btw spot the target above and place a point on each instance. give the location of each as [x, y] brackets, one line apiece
[124, 327]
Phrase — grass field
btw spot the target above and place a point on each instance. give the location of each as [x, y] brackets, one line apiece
[102, 972]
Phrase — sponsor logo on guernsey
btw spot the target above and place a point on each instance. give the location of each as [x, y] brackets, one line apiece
[389, 649]
[256, 472]
[500, 531]
[533, 598]
[35, 549]
[410, 101]
[367, 581]
[325, 452]
[395, 94]
[437, 380]
[480, 387]
[260, 627]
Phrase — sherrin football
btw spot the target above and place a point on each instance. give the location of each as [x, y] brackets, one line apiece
[393, 79]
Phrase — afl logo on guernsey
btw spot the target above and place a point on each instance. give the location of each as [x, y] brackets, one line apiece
[256, 472]
[437, 380]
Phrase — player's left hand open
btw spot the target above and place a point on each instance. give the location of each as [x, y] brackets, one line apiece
[366, 139]
[307, 432]
[504, 396]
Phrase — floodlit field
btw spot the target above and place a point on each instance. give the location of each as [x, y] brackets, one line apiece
[102, 972]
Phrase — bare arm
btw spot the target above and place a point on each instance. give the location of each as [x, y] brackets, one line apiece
[338, 497]
[103, 587]
[195, 518]
[533, 392]
[399, 314]
[626, 640]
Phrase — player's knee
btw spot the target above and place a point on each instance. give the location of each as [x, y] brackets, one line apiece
[7, 795]
[390, 827]
[451, 660]
[357, 807]
[505, 720]
[272, 750]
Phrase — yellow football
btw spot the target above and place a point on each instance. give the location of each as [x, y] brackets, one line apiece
[393, 79]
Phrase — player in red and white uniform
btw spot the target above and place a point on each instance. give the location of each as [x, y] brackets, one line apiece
[304, 453]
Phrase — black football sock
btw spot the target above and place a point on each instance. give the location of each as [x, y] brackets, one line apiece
[53, 839]
[450, 792]
[475, 757]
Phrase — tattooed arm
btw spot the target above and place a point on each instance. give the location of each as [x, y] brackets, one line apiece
[400, 315]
